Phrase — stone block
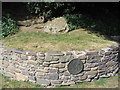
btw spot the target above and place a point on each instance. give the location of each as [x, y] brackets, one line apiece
[43, 82]
[51, 76]
[53, 82]
[5, 63]
[53, 70]
[41, 70]
[20, 77]
[55, 53]
[91, 52]
[91, 72]
[57, 65]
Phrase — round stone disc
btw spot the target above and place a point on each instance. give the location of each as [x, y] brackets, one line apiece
[75, 66]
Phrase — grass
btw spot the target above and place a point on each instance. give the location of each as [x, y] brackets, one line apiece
[7, 83]
[40, 41]
[111, 82]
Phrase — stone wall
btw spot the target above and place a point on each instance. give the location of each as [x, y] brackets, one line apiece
[51, 68]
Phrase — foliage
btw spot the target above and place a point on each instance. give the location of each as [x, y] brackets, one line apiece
[9, 26]
[50, 9]
[104, 25]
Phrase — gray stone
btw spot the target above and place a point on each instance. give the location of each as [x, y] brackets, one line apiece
[40, 75]
[91, 65]
[90, 57]
[51, 76]
[24, 58]
[24, 72]
[69, 53]
[91, 52]
[9, 74]
[91, 76]
[53, 70]
[43, 82]
[20, 77]
[55, 53]
[32, 79]
[68, 83]
[104, 76]
[66, 73]
[53, 82]
[83, 57]
[83, 77]
[65, 58]
[41, 58]
[93, 61]
[91, 72]
[75, 78]
[59, 65]
[56, 26]
[48, 58]
[5, 63]
[1, 57]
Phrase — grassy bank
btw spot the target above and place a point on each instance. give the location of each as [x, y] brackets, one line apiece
[74, 40]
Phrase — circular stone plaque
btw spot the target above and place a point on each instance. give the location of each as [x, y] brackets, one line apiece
[75, 66]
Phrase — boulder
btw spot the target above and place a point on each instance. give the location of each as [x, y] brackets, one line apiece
[56, 26]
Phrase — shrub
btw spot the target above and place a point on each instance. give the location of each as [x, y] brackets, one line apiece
[9, 26]
[50, 9]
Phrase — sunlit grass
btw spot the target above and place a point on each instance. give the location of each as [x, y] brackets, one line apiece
[74, 40]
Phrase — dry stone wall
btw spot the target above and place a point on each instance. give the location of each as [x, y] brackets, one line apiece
[56, 68]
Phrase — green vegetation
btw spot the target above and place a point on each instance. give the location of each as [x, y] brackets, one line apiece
[40, 41]
[9, 26]
[7, 83]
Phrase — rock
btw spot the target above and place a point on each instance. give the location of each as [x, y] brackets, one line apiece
[20, 77]
[95, 68]
[9, 74]
[65, 58]
[32, 62]
[66, 73]
[41, 70]
[53, 82]
[110, 63]
[84, 61]
[91, 76]
[93, 61]
[54, 62]
[43, 82]
[11, 68]
[5, 63]
[46, 64]
[79, 75]
[55, 53]
[91, 72]
[53, 70]
[83, 77]
[32, 79]
[103, 76]
[91, 52]
[62, 70]
[56, 26]
[57, 65]
[39, 74]
[51, 76]
[50, 58]
[82, 57]
[24, 72]
[68, 83]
